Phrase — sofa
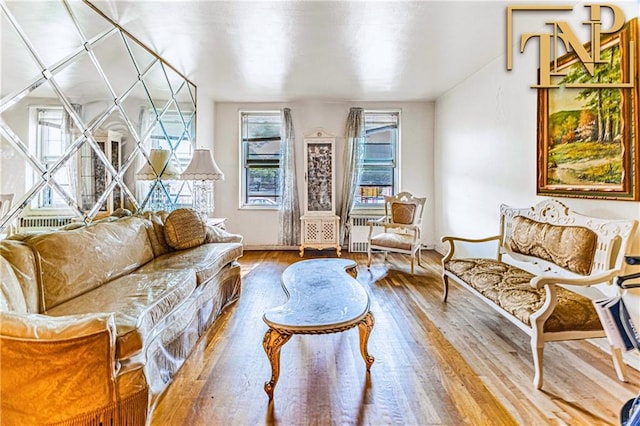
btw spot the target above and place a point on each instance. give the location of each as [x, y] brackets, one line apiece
[549, 266]
[96, 320]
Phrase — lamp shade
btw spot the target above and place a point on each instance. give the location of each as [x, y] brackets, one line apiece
[202, 167]
[158, 158]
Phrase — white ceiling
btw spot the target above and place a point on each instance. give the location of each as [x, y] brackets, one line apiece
[339, 50]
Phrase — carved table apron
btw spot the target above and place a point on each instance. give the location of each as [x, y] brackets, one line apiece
[323, 297]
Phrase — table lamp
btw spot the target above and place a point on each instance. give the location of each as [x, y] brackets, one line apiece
[202, 170]
[158, 168]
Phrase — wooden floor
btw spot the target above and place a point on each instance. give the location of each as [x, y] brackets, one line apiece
[436, 363]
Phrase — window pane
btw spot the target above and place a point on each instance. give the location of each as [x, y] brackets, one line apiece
[261, 125]
[264, 150]
[262, 186]
[261, 158]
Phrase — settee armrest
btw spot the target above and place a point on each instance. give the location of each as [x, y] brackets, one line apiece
[54, 368]
[452, 243]
[604, 277]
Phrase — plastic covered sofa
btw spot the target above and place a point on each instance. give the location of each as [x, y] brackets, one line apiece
[95, 321]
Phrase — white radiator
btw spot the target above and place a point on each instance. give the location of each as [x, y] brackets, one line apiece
[42, 223]
[359, 232]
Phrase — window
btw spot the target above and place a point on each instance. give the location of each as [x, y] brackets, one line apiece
[50, 144]
[260, 156]
[378, 167]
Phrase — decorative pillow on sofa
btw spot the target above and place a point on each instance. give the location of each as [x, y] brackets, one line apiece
[156, 232]
[571, 247]
[184, 228]
[217, 235]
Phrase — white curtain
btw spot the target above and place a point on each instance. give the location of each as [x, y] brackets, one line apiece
[289, 214]
[354, 135]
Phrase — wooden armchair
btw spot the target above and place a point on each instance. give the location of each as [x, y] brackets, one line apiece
[402, 227]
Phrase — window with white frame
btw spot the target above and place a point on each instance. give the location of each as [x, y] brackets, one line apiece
[379, 161]
[260, 156]
[50, 144]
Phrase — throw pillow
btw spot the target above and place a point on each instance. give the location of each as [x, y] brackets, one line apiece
[184, 228]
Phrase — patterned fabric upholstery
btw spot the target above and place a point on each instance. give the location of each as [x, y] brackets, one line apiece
[403, 213]
[508, 287]
[571, 247]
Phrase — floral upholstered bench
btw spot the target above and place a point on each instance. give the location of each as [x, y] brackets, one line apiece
[547, 256]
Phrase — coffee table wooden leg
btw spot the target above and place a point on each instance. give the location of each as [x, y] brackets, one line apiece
[273, 341]
[365, 326]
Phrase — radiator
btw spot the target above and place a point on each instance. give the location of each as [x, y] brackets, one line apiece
[42, 223]
[359, 232]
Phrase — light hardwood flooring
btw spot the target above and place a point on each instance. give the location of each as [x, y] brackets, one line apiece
[436, 363]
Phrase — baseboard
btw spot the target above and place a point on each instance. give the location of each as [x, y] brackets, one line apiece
[250, 247]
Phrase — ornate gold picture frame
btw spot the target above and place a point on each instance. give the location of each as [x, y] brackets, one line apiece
[588, 137]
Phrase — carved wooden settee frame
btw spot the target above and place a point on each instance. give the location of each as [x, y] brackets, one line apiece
[555, 285]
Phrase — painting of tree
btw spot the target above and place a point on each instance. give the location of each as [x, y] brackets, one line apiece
[587, 142]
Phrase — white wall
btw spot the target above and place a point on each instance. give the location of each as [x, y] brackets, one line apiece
[485, 155]
[260, 227]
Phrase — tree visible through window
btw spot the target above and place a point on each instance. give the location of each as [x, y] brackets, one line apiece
[378, 167]
[260, 138]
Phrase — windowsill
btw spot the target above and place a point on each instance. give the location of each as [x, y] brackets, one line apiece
[267, 207]
[368, 210]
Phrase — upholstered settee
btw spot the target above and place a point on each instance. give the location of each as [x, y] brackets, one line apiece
[549, 265]
[95, 321]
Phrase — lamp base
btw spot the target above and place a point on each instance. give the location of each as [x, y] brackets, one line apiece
[203, 197]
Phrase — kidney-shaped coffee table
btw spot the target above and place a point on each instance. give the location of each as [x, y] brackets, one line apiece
[323, 297]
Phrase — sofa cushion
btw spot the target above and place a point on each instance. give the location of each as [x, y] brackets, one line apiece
[509, 287]
[184, 228]
[156, 232]
[11, 296]
[571, 247]
[206, 260]
[23, 263]
[140, 301]
[71, 263]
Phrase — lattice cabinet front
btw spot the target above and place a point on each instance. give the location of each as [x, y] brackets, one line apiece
[320, 232]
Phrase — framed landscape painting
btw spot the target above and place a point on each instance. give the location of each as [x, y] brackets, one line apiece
[588, 136]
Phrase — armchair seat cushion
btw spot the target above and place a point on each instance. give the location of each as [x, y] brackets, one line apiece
[140, 302]
[393, 240]
[509, 287]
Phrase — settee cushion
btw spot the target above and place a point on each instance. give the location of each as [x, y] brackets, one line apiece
[71, 263]
[184, 228]
[571, 247]
[206, 260]
[140, 301]
[509, 287]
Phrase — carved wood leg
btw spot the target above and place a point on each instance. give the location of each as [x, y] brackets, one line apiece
[618, 364]
[369, 256]
[413, 258]
[273, 341]
[338, 249]
[365, 326]
[419, 256]
[445, 283]
[301, 251]
[537, 350]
